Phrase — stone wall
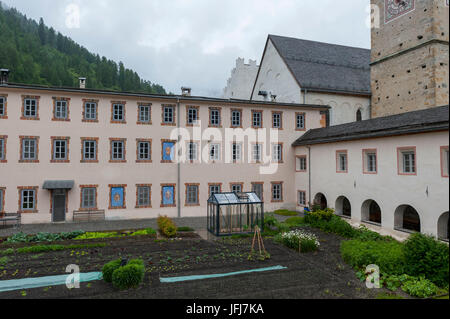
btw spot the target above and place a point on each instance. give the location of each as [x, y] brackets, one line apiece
[409, 57]
[240, 84]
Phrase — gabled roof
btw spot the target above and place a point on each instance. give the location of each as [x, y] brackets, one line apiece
[429, 120]
[325, 67]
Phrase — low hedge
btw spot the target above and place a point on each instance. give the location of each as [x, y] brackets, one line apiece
[109, 268]
[425, 256]
[43, 237]
[129, 276]
[166, 226]
[285, 212]
[388, 255]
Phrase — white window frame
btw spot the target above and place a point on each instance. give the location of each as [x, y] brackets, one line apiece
[192, 117]
[236, 150]
[2, 105]
[143, 196]
[88, 148]
[88, 197]
[30, 149]
[301, 198]
[145, 114]
[192, 151]
[116, 150]
[30, 108]
[300, 121]
[257, 152]
[215, 117]
[192, 194]
[302, 163]
[118, 112]
[342, 162]
[168, 114]
[214, 152]
[277, 152]
[236, 188]
[371, 162]
[213, 188]
[61, 110]
[257, 119]
[276, 120]
[142, 150]
[2, 149]
[59, 150]
[236, 118]
[28, 197]
[408, 159]
[277, 192]
[90, 111]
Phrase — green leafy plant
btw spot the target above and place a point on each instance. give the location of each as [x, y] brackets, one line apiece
[427, 257]
[419, 287]
[185, 229]
[129, 276]
[144, 232]
[166, 226]
[388, 255]
[109, 268]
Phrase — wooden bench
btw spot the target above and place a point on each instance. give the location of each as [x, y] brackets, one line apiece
[11, 218]
[88, 216]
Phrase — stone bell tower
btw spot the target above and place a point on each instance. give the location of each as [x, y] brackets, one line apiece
[409, 59]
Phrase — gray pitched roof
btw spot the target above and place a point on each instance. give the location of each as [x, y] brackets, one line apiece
[429, 120]
[326, 67]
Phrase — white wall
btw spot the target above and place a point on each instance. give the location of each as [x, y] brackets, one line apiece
[240, 84]
[343, 107]
[387, 187]
[275, 78]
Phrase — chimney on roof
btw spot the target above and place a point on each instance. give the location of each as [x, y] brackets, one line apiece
[273, 97]
[82, 83]
[185, 91]
[4, 76]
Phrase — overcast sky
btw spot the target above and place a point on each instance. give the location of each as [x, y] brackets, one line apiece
[196, 42]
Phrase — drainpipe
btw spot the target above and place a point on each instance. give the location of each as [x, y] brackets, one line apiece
[305, 91]
[309, 174]
[178, 161]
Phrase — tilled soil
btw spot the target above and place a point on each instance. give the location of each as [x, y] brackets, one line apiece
[319, 275]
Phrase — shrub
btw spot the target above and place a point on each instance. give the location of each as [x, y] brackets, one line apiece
[388, 255]
[47, 248]
[185, 229]
[420, 287]
[129, 276]
[270, 221]
[166, 226]
[319, 215]
[109, 268]
[4, 261]
[7, 252]
[298, 239]
[427, 257]
[335, 225]
[364, 234]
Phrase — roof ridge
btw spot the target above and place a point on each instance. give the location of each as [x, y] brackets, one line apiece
[320, 42]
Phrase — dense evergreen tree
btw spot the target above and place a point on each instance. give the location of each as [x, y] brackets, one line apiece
[37, 54]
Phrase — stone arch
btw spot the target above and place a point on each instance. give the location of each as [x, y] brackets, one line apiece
[343, 206]
[407, 218]
[442, 226]
[371, 212]
[320, 200]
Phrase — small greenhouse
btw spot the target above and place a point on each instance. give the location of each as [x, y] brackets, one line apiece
[234, 213]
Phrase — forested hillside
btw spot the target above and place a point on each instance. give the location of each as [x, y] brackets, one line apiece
[36, 54]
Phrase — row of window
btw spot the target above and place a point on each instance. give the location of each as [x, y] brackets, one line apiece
[89, 150]
[88, 197]
[407, 161]
[30, 111]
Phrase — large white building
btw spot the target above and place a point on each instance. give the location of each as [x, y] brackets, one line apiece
[389, 172]
[300, 71]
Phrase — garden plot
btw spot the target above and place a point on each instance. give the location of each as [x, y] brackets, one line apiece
[320, 274]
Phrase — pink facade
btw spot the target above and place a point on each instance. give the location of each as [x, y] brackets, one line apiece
[106, 174]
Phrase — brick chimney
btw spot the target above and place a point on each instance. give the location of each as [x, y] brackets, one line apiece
[4, 76]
